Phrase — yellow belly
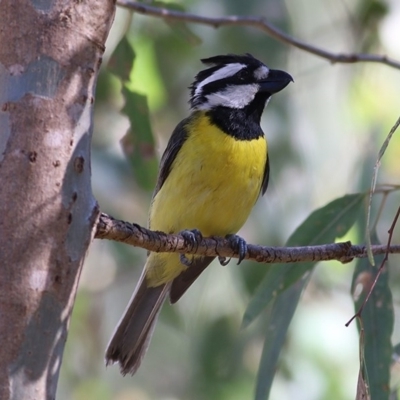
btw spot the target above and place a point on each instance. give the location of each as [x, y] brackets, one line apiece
[213, 184]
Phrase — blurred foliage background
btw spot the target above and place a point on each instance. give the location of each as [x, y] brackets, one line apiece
[324, 134]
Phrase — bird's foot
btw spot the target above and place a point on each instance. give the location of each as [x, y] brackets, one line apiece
[192, 238]
[238, 244]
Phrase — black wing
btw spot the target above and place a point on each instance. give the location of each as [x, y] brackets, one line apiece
[178, 137]
[265, 177]
[183, 281]
[175, 143]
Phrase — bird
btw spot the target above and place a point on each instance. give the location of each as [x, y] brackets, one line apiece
[211, 173]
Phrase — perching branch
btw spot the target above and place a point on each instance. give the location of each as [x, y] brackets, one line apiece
[135, 235]
[259, 23]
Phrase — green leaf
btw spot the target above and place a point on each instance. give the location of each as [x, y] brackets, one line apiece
[282, 286]
[377, 322]
[322, 226]
[279, 317]
[138, 143]
[122, 59]
[180, 28]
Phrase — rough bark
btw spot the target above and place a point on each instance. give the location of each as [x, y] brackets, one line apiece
[50, 53]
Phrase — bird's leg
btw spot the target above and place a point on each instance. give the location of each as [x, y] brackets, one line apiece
[192, 238]
[238, 244]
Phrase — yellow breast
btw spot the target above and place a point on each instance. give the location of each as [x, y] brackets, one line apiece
[213, 184]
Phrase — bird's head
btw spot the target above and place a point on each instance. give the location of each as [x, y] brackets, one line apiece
[235, 82]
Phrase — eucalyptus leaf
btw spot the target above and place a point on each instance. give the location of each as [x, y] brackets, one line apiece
[324, 225]
[139, 143]
[282, 286]
[122, 59]
[377, 323]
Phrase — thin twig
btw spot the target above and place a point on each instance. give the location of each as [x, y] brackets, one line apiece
[135, 235]
[373, 186]
[259, 23]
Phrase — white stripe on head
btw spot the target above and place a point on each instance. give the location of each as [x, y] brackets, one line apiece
[233, 96]
[261, 72]
[224, 72]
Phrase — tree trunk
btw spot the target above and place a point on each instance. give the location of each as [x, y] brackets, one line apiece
[50, 53]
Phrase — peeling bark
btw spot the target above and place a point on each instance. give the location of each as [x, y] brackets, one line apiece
[50, 53]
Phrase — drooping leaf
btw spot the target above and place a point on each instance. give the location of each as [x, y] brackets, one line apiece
[322, 226]
[282, 286]
[377, 323]
[122, 59]
[138, 143]
[279, 316]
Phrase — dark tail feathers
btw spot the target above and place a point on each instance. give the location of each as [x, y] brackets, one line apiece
[132, 337]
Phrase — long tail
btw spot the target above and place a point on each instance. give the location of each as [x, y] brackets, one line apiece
[132, 336]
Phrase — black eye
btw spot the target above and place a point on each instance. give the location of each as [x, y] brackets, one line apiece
[244, 74]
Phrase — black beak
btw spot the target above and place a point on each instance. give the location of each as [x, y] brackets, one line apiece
[275, 82]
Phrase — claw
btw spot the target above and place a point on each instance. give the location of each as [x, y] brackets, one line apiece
[185, 261]
[239, 245]
[192, 238]
[224, 261]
